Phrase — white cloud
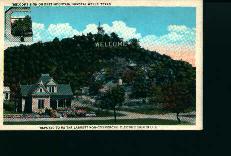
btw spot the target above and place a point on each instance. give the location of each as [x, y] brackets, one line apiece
[119, 27]
[179, 42]
[177, 28]
[38, 31]
[148, 40]
[123, 31]
[178, 39]
[37, 25]
[177, 35]
[62, 30]
[90, 28]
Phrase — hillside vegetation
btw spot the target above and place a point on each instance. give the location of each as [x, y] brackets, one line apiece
[76, 60]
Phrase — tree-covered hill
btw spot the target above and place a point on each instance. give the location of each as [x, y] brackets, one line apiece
[75, 61]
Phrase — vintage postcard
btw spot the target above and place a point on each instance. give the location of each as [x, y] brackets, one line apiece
[101, 65]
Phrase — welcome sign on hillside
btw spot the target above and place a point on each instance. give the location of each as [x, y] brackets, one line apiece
[101, 65]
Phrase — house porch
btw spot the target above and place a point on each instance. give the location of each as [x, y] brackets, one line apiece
[60, 103]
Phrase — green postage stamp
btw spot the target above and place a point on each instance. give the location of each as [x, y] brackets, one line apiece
[101, 65]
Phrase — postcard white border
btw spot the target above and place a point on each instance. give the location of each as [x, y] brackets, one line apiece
[198, 4]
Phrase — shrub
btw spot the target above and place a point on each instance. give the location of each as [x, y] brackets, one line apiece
[53, 113]
[40, 111]
[48, 111]
[71, 114]
[9, 106]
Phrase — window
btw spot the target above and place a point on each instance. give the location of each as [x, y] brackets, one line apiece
[40, 103]
[6, 96]
[52, 89]
[41, 90]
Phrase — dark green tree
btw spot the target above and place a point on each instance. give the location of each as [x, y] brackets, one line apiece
[56, 40]
[177, 98]
[115, 37]
[112, 99]
[156, 95]
[22, 27]
[140, 85]
[94, 87]
[134, 43]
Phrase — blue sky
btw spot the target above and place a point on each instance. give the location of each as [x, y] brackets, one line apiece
[168, 30]
[147, 20]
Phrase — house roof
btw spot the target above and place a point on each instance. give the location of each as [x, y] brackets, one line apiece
[34, 89]
[25, 89]
[45, 79]
[51, 82]
[62, 90]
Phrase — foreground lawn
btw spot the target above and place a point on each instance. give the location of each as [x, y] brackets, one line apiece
[150, 111]
[101, 113]
[144, 111]
[102, 122]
